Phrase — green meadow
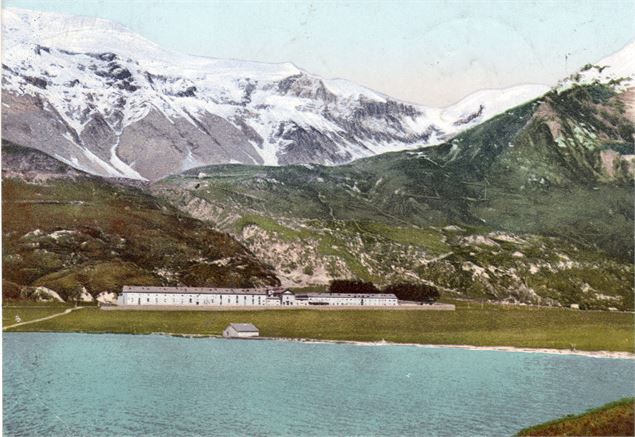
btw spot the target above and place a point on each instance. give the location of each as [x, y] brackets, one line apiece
[28, 311]
[471, 324]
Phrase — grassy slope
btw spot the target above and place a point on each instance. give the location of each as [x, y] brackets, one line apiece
[68, 233]
[613, 419]
[512, 173]
[487, 326]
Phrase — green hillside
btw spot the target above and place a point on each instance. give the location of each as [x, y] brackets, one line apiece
[549, 166]
[66, 231]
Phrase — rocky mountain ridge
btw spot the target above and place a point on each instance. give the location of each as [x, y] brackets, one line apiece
[107, 101]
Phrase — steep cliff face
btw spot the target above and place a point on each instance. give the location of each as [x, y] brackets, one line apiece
[111, 103]
[81, 235]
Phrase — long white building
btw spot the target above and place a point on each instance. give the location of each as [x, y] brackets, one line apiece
[351, 299]
[202, 296]
[205, 296]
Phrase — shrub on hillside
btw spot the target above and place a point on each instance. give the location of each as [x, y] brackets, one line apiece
[417, 292]
[10, 290]
[348, 286]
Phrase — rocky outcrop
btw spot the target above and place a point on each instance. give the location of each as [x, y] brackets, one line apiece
[43, 294]
[31, 121]
[107, 297]
[31, 165]
[158, 146]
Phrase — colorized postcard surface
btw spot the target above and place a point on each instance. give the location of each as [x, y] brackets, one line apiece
[295, 218]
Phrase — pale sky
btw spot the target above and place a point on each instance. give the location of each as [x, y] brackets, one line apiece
[429, 52]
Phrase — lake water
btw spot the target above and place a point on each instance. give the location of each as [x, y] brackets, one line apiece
[115, 385]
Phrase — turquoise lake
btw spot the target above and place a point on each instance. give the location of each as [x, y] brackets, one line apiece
[118, 385]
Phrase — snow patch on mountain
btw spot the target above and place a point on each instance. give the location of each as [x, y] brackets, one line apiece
[618, 68]
[485, 104]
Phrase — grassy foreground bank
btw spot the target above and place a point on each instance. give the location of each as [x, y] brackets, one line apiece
[488, 326]
[614, 419]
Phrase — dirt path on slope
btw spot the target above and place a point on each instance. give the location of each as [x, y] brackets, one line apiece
[68, 311]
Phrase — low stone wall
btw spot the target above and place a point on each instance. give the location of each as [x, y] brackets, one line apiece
[409, 307]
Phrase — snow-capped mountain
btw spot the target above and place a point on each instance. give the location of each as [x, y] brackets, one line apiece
[105, 100]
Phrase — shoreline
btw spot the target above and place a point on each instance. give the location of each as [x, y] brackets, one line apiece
[548, 351]
[593, 354]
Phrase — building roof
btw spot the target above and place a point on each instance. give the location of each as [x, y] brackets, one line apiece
[243, 327]
[351, 295]
[195, 290]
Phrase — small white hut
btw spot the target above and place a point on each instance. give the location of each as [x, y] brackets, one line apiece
[241, 330]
